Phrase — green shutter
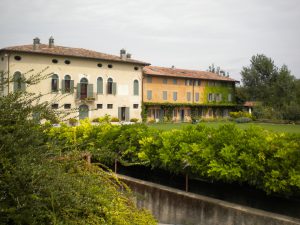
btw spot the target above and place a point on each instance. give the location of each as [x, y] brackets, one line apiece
[23, 85]
[71, 86]
[136, 87]
[127, 114]
[119, 113]
[114, 88]
[90, 90]
[15, 85]
[78, 90]
[99, 86]
[63, 87]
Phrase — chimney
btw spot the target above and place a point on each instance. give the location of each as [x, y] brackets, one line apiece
[36, 43]
[173, 67]
[123, 53]
[128, 56]
[51, 42]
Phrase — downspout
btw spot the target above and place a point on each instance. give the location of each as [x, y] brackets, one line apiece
[8, 72]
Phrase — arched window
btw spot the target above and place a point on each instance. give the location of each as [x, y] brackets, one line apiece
[135, 87]
[67, 84]
[109, 86]
[19, 82]
[99, 85]
[54, 83]
[83, 88]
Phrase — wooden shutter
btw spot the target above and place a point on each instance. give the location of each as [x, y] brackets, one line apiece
[99, 85]
[120, 113]
[71, 86]
[63, 86]
[90, 90]
[135, 87]
[23, 84]
[78, 90]
[114, 88]
[127, 114]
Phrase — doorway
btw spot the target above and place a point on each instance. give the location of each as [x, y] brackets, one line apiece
[182, 115]
[83, 112]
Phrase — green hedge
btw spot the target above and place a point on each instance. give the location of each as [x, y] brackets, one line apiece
[266, 160]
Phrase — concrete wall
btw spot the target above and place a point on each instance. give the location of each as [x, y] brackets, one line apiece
[172, 206]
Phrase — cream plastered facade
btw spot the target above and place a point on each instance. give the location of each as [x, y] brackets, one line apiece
[123, 74]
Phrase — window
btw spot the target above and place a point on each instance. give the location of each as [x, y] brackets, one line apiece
[188, 96]
[135, 106]
[109, 86]
[149, 95]
[188, 82]
[197, 82]
[19, 82]
[83, 90]
[110, 66]
[149, 79]
[99, 85]
[99, 106]
[18, 58]
[197, 96]
[99, 64]
[165, 95]
[54, 61]
[66, 84]
[54, 83]
[218, 97]
[67, 62]
[188, 112]
[229, 97]
[135, 87]
[109, 106]
[175, 96]
[211, 83]
[67, 106]
[174, 81]
[165, 80]
[54, 106]
[210, 97]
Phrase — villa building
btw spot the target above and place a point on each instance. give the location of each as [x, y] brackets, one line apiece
[179, 95]
[94, 82]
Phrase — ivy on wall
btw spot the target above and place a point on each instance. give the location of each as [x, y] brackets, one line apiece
[224, 91]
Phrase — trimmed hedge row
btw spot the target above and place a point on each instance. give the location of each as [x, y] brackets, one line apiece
[266, 160]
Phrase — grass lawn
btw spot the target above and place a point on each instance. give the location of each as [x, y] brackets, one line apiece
[289, 128]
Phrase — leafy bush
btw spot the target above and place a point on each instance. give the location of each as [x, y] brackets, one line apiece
[114, 119]
[266, 160]
[73, 121]
[134, 120]
[152, 121]
[243, 120]
[240, 114]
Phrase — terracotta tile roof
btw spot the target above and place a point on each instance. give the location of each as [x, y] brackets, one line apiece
[174, 72]
[70, 52]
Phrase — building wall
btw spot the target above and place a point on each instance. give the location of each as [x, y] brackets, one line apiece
[206, 108]
[123, 74]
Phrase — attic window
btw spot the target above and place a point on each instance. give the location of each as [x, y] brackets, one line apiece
[99, 64]
[67, 61]
[18, 58]
[136, 68]
[54, 61]
[110, 66]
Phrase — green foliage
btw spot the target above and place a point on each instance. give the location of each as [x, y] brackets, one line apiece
[114, 119]
[239, 114]
[266, 160]
[243, 120]
[276, 89]
[134, 120]
[46, 181]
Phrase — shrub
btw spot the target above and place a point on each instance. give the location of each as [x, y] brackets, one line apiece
[240, 114]
[95, 120]
[152, 121]
[114, 119]
[73, 121]
[134, 120]
[242, 120]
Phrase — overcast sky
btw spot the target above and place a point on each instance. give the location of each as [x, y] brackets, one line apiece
[190, 34]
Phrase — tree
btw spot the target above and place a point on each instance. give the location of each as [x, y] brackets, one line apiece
[40, 185]
[275, 88]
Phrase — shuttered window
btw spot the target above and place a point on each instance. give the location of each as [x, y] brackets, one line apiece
[197, 96]
[165, 95]
[188, 96]
[175, 96]
[135, 87]
[149, 95]
[19, 82]
[54, 83]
